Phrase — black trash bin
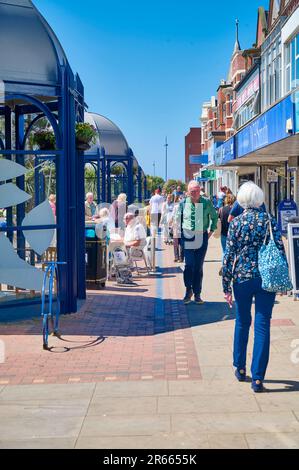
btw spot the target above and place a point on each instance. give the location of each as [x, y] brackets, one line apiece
[96, 257]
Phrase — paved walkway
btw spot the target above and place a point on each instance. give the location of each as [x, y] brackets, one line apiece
[137, 369]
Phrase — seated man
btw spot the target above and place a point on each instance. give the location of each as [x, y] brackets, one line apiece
[135, 235]
[90, 208]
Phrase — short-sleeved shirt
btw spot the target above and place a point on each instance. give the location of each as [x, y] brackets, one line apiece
[156, 203]
[135, 232]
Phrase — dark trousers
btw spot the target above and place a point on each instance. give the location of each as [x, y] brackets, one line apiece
[264, 302]
[194, 260]
[178, 248]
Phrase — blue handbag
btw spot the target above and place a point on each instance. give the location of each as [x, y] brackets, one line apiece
[273, 266]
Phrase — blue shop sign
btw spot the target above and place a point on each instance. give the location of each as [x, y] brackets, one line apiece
[286, 210]
[296, 98]
[267, 129]
[228, 150]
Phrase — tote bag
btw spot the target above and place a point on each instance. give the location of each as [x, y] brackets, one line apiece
[273, 267]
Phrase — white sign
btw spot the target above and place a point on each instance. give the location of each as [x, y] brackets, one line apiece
[293, 237]
[272, 176]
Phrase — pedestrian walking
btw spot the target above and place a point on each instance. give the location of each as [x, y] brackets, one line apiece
[246, 236]
[175, 222]
[167, 209]
[199, 221]
[224, 213]
[156, 204]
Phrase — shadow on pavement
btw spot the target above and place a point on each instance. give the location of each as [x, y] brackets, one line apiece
[290, 386]
[209, 312]
[127, 315]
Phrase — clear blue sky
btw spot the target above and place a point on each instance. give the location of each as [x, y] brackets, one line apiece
[149, 64]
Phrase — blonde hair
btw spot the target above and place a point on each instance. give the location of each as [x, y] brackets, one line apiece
[122, 197]
[52, 197]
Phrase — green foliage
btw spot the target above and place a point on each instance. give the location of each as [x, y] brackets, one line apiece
[117, 170]
[154, 182]
[85, 133]
[171, 185]
[44, 139]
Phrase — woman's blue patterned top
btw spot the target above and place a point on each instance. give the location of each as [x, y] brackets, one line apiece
[245, 238]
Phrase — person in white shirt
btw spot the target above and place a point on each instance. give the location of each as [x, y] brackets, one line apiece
[156, 204]
[135, 234]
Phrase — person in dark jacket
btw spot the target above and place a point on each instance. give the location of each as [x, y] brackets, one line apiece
[224, 213]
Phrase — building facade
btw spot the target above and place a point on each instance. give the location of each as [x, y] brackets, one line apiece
[263, 142]
[193, 149]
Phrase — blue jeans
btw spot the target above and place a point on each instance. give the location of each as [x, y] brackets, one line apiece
[194, 260]
[223, 244]
[264, 303]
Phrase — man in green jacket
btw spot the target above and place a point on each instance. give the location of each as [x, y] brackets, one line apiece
[199, 220]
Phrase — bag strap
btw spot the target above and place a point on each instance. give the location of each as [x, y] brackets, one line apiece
[269, 229]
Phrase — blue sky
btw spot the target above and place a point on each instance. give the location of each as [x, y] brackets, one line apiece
[149, 65]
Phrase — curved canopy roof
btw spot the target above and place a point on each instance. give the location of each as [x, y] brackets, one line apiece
[111, 139]
[29, 49]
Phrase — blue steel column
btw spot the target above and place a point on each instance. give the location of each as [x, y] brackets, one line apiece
[103, 179]
[66, 197]
[81, 272]
[81, 226]
[8, 146]
[145, 187]
[130, 181]
[98, 176]
[139, 184]
[19, 135]
[108, 173]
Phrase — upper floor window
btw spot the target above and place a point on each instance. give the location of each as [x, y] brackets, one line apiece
[291, 65]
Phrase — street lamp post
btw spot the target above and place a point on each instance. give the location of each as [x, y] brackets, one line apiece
[154, 165]
[166, 157]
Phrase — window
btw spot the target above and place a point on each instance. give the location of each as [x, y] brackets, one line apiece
[292, 64]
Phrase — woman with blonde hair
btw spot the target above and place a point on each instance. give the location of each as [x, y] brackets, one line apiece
[119, 209]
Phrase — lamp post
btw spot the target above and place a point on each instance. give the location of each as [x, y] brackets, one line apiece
[166, 157]
[154, 165]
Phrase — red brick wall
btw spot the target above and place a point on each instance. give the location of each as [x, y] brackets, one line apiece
[192, 147]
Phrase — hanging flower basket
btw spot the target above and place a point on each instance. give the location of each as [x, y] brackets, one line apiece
[45, 140]
[85, 135]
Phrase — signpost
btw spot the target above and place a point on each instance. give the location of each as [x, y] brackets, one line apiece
[272, 176]
[286, 210]
[293, 236]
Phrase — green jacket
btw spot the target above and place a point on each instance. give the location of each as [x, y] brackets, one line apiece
[200, 217]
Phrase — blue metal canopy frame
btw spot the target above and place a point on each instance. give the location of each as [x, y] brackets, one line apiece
[110, 149]
[40, 82]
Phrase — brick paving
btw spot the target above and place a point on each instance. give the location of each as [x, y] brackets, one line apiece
[120, 334]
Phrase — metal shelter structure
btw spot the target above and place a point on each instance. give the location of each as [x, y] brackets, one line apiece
[37, 84]
[111, 151]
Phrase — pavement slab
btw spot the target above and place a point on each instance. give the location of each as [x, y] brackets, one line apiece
[162, 440]
[138, 425]
[271, 440]
[45, 443]
[236, 423]
[227, 441]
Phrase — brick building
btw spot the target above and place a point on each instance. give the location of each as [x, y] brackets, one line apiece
[192, 147]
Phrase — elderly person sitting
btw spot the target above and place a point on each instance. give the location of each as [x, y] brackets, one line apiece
[90, 207]
[241, 274]
[135, 235]
[105, 224]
